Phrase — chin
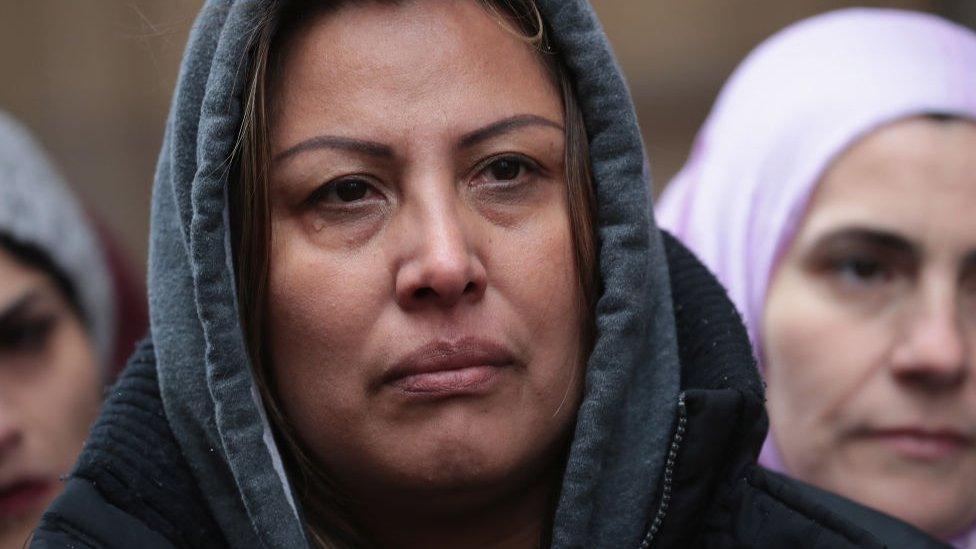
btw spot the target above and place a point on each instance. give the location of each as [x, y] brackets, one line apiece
[456, 463]
[458, 460]
[944, 514]
[455, 479]
[16, 533]
[923, 502]
[939, 519]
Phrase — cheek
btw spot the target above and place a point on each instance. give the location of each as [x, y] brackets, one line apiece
[65, 401]
[820, 359]
[535, 277]
[801, 361]
[322, 308]
[537, 271]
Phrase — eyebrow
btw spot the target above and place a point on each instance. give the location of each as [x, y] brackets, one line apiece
[504, 126]
[368, 148]
[379, 150]
[871, 237]
[883, 239]
[21, 305]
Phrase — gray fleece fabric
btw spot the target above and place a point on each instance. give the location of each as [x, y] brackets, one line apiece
[632, 381]
[38, 209]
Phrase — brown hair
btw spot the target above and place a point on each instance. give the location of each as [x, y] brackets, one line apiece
[327, 522]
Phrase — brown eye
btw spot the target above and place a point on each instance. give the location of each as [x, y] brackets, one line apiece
[862, 269]
[30, 335]
[867, 273]
[351, 190]
[505, 169]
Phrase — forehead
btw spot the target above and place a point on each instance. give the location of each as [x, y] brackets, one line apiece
[915, 177]
[377, 67]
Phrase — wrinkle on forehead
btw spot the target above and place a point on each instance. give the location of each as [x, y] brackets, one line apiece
[915, 178]
[392, 70]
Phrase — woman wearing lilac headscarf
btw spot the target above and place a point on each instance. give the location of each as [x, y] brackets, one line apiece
[833, 191]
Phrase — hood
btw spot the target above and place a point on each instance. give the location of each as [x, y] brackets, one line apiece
[38, 210]
[632, 380]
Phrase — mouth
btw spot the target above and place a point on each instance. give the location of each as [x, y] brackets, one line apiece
[23, 497]
[923, 444]
[468, 366]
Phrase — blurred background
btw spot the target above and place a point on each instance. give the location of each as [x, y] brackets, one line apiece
[93, 79]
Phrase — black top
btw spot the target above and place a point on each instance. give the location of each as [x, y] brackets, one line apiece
[133, 488]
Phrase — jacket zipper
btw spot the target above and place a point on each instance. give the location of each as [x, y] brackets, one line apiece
[662, 509]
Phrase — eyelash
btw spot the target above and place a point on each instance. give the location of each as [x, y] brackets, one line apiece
[29, 334]
[321, 194]
[850, 265]
[530, 166]
[865, 272]
[527, 168]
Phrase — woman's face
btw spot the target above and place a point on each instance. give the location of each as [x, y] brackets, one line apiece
[424, 326]
[870, 328]
[50, 389]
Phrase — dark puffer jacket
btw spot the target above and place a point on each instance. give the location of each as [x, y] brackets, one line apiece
[133, 488]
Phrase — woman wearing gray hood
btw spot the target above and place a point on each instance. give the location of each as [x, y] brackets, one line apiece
[406, 290]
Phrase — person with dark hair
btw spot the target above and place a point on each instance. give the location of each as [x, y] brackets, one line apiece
[406, 290]
[832, 191]
[57, 331]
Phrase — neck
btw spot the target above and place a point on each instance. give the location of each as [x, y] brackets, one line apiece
[513, 520]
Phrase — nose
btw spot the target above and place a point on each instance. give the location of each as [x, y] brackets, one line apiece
[933, 351]
[442, 267]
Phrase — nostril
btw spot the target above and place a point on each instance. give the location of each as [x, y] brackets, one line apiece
[422, 293]
[469, 288]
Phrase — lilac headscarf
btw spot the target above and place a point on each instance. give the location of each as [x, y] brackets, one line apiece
[796, 102]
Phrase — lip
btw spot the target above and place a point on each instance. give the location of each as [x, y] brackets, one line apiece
[923, 444]
[467, 366]
[23, 497]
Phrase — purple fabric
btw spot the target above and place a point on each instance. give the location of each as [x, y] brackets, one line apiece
[795, 103]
